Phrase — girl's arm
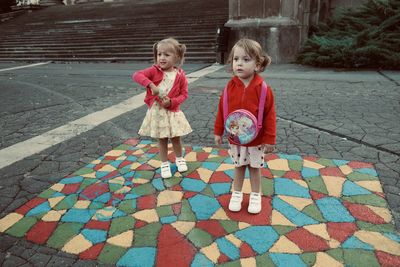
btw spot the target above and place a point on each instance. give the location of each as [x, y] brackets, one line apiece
[269, 120]
[219, 120]
[183, 94]
[144, 77]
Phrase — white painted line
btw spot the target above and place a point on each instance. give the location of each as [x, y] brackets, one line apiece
[26, 66]
[19, 151]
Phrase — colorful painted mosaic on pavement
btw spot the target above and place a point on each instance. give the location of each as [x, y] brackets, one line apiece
[118, 210]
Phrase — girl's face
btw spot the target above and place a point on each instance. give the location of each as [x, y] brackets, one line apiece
[166, 57]
[243, 65]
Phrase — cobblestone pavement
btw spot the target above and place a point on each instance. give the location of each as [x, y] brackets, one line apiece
[335, 115]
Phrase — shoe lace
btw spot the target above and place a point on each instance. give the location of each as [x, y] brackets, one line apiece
[254, 198]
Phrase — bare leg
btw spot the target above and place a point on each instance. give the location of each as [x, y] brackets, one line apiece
[255, 179]
[163, 146]
[239, 178]
[177, 146]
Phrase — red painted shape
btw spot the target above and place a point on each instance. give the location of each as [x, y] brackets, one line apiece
[132, 142]
[188, 195]
[266, 173]
[153, 150]
[41, 231]
[173, 249]
[98, 225]
[246, 251]
[124, 163]
[360, 165]
[223, 258]
[331, 171]
[386, 259]
[30, 205]
[92, 253]
[212, 227]
[363, 213]
[220, 177]
[140, 224]
[262, 218]
[112, 158]
[293, 175]
[94, 190]
[111, 175]
[307, 241]
[341, 230]
[223, 153]
[316, 195]
[193, 175]
[70, 188]
[145, 167]
[177, 187]
[177, 208]
[147, 202]
[271, 157]
[310, 158]
[202, 156]
[99, 166]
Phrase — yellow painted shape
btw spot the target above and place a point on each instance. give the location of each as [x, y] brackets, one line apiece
[135, 165]
[278, 219]
[57, 187]
[123, 190]
[243, 225]
[106, 212]
[248, 262]
[77, 245]
[183, 227]
[374, 186]
[191, 156]
[318, 230]
[55, 200]
[333, 243]
[82, 204]
[149, 216]
[220, 214]
[9, 220]
[140, 181]
[124, 239]
[154, 163]
[115, 153]
[278, 164]
[117, 180]
[384, 213]
[346, 170]
[225, 167]
[168, 197]
[53, 215]
[211, 252]
[107, 168]
[207, 149]
[205, 174]
[301, 183]
[324, 260]
[379, 241]
[90, 175]
[312, 165]
[334, 185]
[96, 161]
[138, 152]
[297, 202]
[234, 240]
[123, 157]
[284, 245]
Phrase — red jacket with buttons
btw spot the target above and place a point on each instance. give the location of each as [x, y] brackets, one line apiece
[154, 74]
[248, 98]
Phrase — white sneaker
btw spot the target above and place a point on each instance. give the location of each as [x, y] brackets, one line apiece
[181, 164]
[254, 203]
[235, 204]
[165, 170]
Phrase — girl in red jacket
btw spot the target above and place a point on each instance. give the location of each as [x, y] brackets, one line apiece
[167, 88]
[247, 59]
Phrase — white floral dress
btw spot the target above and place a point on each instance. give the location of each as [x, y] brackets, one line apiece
[160, 122]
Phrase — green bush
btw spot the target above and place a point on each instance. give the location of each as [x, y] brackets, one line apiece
[368, 37]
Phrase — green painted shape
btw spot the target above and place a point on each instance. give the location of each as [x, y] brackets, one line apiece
[164, 211]
[143, 174]
[295, 165]
[83, 171]
[282, 229]
[147, 236]
[264, 260]
[267, 186]
[114, 187]
[200, 238]
[186, 212]
[337, 254]
[230, 226]
[111, 254]
[67, 203]
[309, 258]
[120, 225]
[86, 182]
[314, 212]
[143, 190]
[317, 184]
[95, 205]
[216, 159]
[123, 147]
[20, 228]
[360, 257]
[326, 162]
[208, 191]
[231, 264]
[370, 199]
[63, 233]
[383, 228]
[172, 181]
[357, 176]
[47, 193]
[276, 173]
[128, 206]
[192, 166]
[143, 159]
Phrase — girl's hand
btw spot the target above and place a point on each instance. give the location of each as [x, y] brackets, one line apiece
[154, 89]
[218, 140]
[166, 102]
[268, 148]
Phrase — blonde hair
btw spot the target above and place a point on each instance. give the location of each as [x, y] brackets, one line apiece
[254, 50]
[177, 48]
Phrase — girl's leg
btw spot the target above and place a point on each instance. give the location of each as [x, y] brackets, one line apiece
[165, 168]
[235, 203]
[255, 196]
[180, 161]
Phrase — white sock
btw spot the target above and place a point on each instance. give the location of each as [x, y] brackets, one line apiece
[179, 158]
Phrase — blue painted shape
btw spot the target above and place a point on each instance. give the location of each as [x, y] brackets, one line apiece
[290, 157]
[194, 185]
[230, 173]
[204, 206]
[221, 188]
[229, 249]
[309, 172]
[339, 162]
[288, 187]
[158, 184]
[168, 219]
[131, 196]
[228, 160]
[393, 236]
[130, 174]
[118, 213]
[144, 256]
[104, 198]
[94, 235]
[353, 189]
[294, 215]
[39, 209]
[369, 171]
[100, 174]
[146, 142]
[201, 260]
[286, 260]
[71, 180]
[212, 166]
[260, 238]
[333, 210]
[78, 215]
[131, 158]
[354, 242]
[116, 163]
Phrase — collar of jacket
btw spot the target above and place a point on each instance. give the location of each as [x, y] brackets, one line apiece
[160, 69]
[257, 79]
